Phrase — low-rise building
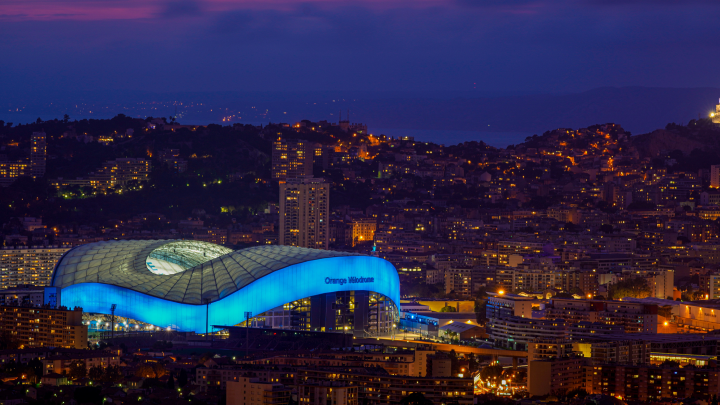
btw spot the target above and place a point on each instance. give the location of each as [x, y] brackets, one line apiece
[61, 363]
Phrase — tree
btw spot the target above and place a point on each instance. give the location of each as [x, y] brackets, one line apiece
[88, 395]
[151, 370]
[78, 370]
[606, 228]
[415, 398]
[171, 382]
[665, 310]
[8, 341]
[26, 372]
[66, 118]
[491, 372]
[448, 308]
[37, 366]
[182, 378]
[577, 392]
[95, 373]
[205, 357]
[112, 375]
[481, 311]
[634, 287]
[159, 370]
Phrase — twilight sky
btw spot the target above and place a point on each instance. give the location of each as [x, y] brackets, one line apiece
[489, 45]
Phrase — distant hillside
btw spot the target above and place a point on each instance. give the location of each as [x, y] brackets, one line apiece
[700, 135]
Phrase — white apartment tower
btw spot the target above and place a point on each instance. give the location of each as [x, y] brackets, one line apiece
[304, 212]
[715, 176]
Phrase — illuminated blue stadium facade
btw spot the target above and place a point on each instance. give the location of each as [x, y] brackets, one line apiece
[186, 285]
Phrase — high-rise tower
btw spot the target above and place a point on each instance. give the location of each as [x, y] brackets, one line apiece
[37, 155]
[292, 159]
[304, 213]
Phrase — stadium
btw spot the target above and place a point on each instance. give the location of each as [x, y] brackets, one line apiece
[193, 285]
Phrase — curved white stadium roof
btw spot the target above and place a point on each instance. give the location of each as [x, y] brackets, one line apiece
[188, 272]
[188, 285]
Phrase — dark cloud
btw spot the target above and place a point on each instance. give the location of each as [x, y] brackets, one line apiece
[181, 8]
[679, 3]
[498, 3]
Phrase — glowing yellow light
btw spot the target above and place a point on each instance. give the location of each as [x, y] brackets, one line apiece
[501, 292]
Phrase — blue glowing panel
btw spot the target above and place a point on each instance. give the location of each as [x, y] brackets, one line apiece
[348, 273]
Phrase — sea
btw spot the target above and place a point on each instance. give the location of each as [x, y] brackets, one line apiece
[445, 137]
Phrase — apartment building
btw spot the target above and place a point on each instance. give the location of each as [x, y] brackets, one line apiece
[61, 363]
[594, 351]
[253, 391]
[292, 158]
[39, 326]
[407, 363]
[506, 248]
[459, 280]
[218, 377]
[517, 333]
[464, 279]
[555, 375]
[376, 386]
[120, 172]
[651, 383]
[586, 281]
[34, 166]
[30, 295]
[618, 352]
[304, 213]
[531, 280]
[548, 348]
[34, 265]
[112, 174]
[509, 305]
[363, 230]
[327, 393]
[633, 317]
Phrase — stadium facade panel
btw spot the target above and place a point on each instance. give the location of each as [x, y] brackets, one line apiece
[187, 285]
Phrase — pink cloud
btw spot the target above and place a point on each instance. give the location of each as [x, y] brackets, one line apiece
[148, 9]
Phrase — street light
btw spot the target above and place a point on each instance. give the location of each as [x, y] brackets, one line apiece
[248, 314]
